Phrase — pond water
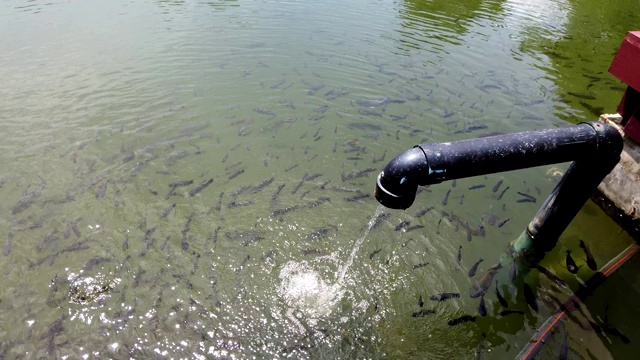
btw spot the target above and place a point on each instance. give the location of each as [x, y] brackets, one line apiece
[186, 179]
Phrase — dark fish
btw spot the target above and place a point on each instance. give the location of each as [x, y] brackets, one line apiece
[502, 222]
[480, 347]
[501, 299]
[527, 197]
[615, 331]
[236, 174]
[530, 297]
[461, 200]
[218, 206]
[564, 348]
[502, 193]
[513, 271]
[446, 197]
[307, 252]
[200, 187]
[474, 268]
[482, 308]
[492, 218]
[417, 266]
[402, 225]
[311, 177]
[420, 302]
[551, 276]
[181, 183]
[424, 212]
[459, 257]
[497, 186]
[414, 227]
[280, 212]
[358, 197]
[479, 186]
[481, 285]
[423, 312]
[525, 200]
[297, 187]
[291, 168]
[460, 320]
[591, 263]
[571, 265]
[102, 190]
[374, 253]
[509, 312]
[262, 185]
[264, 112]
[445, 296]
[6, 249]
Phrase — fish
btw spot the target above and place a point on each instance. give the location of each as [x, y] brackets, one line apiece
[502, 193]
[236, 174]
[6, 249]
[481, 285]
[178, 184]
[479, 186]
[459, 256]
[510, 312]
[501, 299]
[480, 347]
[307, 252]
[564, 348]
[496, 187]
[492, 218]
[591, 262]
[482, 308]
[297, 187]
[264, 112]
[571, 265]
[445, 296]
[200, 187]
[454, 183]
[461, 200]
[402, 225]
[424, 211]
[460, 320]
[474, 268]
[417, 266]
[513, 271]
[420, 302]
[414, 227]
[525, 200]
[502, 222]
[374, 253]
[446, 197]
[102, 190]
[423, 312]
[530, 297]
[358, 197]
[311, 177]
[379, 102]
[551, 276]
[527, 197]
[615, 331]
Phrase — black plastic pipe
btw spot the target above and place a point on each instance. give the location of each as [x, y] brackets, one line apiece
[429, 164]
[594, 147]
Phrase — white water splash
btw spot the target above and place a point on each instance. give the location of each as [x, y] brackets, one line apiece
[302, 288]
[345, 267]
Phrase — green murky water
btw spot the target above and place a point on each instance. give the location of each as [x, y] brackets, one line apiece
[187, 179]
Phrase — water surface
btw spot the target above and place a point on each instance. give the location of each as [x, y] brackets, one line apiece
[116, 116]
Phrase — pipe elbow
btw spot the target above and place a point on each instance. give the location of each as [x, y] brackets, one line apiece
[397, 184]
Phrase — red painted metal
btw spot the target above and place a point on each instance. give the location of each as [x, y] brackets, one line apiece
[626, 67]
